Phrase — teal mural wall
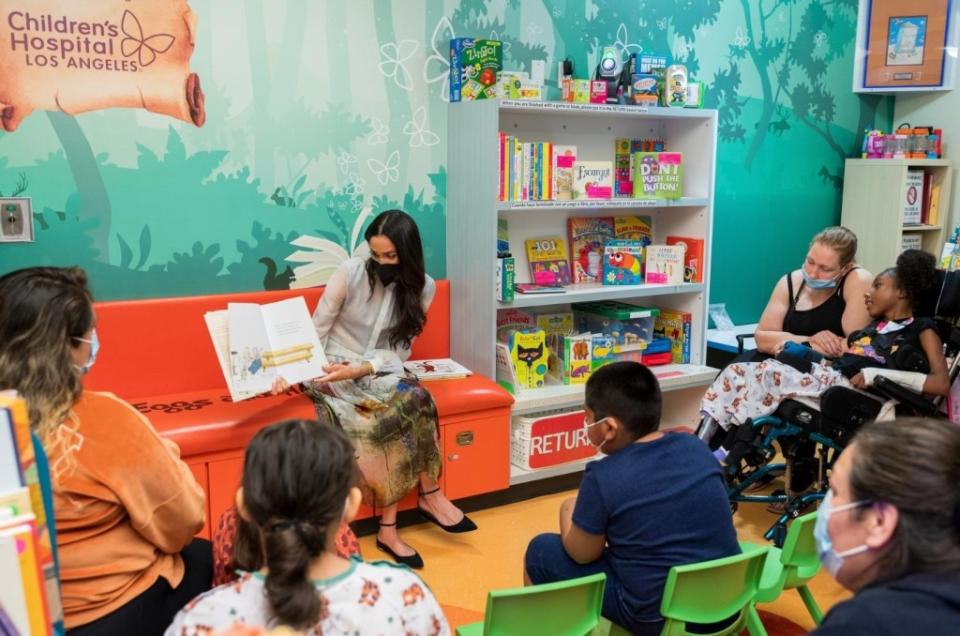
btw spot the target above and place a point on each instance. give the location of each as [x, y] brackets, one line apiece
[322, 113]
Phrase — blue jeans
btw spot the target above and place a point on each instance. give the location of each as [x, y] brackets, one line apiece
[546, 562]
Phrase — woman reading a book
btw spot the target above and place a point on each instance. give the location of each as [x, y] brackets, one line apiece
[367, 318]
[126, 507]
[818, 305]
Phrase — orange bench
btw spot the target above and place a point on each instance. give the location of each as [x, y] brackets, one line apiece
[158, 356]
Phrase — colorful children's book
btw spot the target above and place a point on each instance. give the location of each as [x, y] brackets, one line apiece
[664, 264]
[33, 616]
[622, 262]
[587, 236]
[658, 175]
[437, 369]
[692, 257]
[593, 180]
[529, 354]
[623, 176]
[556, 323]
[633, 228]
[533, 288]
[474, 67]
[564, 157]
[573, 359]
[505, 278]
[676, 326]
[548, 261]
[602, 349]
[509, 320]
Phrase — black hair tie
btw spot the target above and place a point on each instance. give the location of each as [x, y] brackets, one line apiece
[310, 536]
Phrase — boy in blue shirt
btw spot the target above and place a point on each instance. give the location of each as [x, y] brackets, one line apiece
[657, 500]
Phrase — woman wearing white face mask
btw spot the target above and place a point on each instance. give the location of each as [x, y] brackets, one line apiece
[126, 508]
[889, 530]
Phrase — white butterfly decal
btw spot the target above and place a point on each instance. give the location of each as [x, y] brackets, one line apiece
[626, 48]
[388, 172]
[662, 24]
[504, 44]
[533, 30]
[741, 40]
[416, 129]
[436, 68]
[344, 161]
[354, 185]
[380, 133]
[392, 58]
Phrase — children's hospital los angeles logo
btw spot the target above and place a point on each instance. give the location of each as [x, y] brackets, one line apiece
[83, 56]
[46, 40]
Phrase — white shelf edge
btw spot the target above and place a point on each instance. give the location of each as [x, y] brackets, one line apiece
[510, 206]
[594, 291]
[604, 110]
[520, 475]
[555, 396]
[902, 162]
[920, 228]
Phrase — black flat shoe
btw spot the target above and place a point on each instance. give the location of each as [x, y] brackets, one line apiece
[464, 525]
[414, 562]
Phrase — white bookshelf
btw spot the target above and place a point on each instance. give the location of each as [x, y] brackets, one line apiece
[873, 192]
[473, 211]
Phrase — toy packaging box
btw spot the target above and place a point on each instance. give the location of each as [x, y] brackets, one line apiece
[622, 262]
[675, 326]
[529, 355]
[547, 258]
[658, 175]
[693, 263]
[593, 180]
[664, 264]
[548, 439]
[587, 236]
[630, 326]
[505, 278]
[474, 68]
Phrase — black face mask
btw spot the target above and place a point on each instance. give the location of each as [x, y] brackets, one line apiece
[387, 273]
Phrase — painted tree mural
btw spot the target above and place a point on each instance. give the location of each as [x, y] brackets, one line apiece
[320, 115]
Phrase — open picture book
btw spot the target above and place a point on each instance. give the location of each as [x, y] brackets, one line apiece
[436, 369]
[256, 344]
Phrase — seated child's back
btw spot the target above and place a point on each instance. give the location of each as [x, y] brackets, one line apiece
[298, 487]
[657, 500]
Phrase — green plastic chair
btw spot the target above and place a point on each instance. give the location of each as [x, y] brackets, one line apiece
[791, 567]
[565, 608]
[709, 592]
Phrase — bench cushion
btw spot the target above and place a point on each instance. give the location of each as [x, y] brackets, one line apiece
[206, 421]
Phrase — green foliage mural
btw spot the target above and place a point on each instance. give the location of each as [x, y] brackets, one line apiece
[320, 115]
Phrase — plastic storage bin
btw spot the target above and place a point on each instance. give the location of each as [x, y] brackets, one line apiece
[630, 326]
[541, 440]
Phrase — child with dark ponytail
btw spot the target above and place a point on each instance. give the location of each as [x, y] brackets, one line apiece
[298, 485]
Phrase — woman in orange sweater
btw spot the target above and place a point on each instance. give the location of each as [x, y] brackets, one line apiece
[126, 507]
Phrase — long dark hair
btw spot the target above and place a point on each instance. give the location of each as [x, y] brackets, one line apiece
[296, 478]
[43, 310]
[408, 312]
[914, 465]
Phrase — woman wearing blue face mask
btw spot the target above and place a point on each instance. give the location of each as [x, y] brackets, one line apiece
[818, 305]
[889, 530]
[367, 319]
[126, 508]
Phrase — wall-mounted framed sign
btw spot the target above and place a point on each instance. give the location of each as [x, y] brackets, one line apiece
[906, 45]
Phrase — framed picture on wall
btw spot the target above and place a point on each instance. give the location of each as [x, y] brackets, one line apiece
[906, 45]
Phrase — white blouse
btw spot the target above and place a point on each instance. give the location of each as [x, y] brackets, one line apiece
[352, 322]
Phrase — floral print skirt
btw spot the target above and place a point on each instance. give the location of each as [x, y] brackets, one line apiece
[392, 421]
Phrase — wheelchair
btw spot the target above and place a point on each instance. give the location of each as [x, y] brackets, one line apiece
[830, 423]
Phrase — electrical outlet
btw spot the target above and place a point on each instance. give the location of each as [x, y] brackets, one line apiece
[16, 220]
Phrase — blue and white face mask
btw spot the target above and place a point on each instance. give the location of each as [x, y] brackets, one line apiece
[831, 559]
[94, 343]
[818, 283]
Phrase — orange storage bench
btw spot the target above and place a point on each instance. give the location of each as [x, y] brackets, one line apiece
[158, 356]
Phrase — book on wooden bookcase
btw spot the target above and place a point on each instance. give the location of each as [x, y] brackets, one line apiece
[664, 264]
[587, 235]
[547, 258]
[693, 265]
